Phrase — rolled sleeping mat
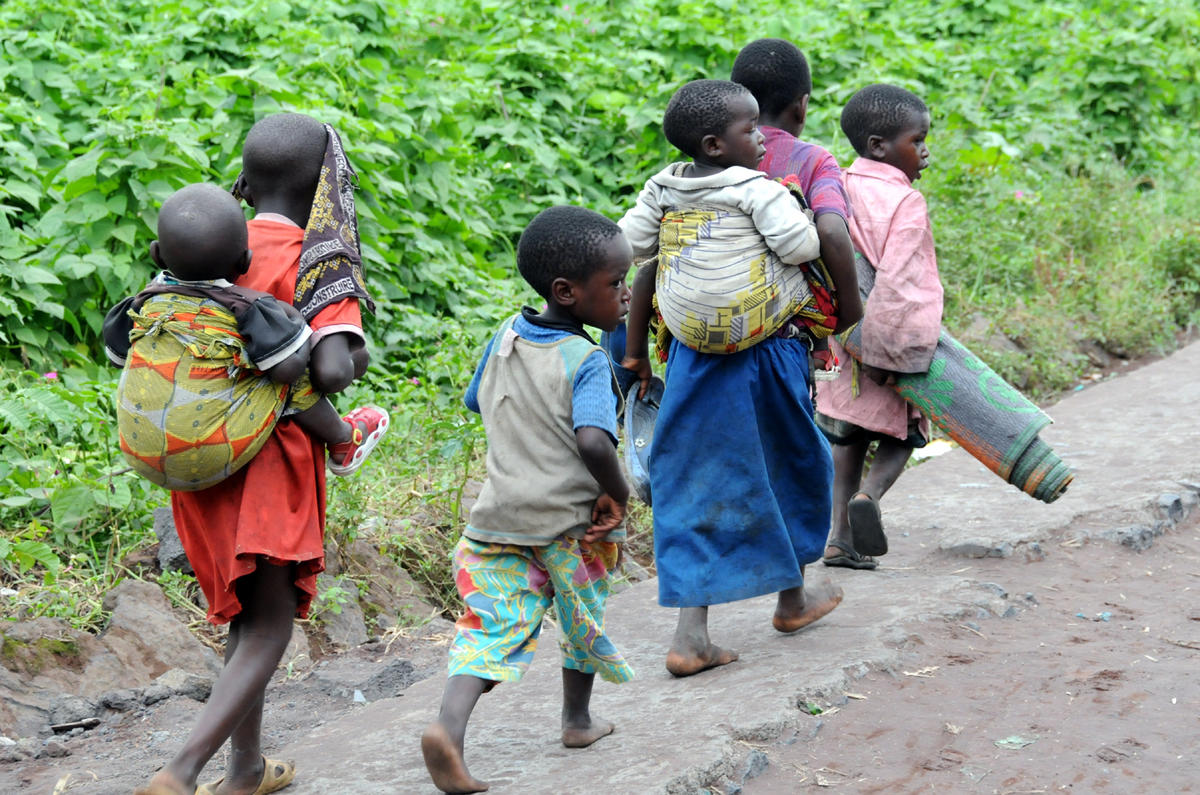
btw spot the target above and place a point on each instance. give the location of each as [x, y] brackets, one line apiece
[979, 410]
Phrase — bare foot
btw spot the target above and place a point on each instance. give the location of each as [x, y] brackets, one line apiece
[444, 761]
[689, 661]
[799, 607]
[583, 736]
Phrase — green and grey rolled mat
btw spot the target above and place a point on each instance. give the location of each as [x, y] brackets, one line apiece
[979, 410]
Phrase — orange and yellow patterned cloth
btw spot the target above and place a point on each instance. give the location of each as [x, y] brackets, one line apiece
[192, 407]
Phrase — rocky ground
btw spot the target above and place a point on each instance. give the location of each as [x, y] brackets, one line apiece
[1005, 646]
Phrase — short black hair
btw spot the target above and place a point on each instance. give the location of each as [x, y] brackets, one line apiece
[697, 109]
[283, 154]
[879, 109]
[201, 233]
[775, 71]
[563, 242]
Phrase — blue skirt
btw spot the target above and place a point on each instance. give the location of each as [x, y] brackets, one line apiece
[742, 478]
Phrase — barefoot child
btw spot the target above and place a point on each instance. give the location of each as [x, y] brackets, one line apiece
[890, 227]
[213, 366]
[546, 528]
[745, 518]
[255, 540]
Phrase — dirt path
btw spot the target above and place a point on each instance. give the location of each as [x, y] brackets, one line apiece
[1045, 701]
[1060, 661]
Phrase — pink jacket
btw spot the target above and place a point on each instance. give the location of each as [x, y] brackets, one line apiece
[889, 225]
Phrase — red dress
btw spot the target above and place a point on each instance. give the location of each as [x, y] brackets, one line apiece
[275, 505]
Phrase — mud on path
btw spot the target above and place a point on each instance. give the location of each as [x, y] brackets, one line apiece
[1091, 686]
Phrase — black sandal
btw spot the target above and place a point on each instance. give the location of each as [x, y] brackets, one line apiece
[866, 526]
[849, 559]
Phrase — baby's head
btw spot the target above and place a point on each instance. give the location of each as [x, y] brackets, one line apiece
[281, 163]
[201, 235]
[777, 74]
[715, 122]
[888, 124]
[577, 260]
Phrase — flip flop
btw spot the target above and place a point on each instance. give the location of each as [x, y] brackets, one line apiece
[849, 559]
[276, 775]
[866, 526]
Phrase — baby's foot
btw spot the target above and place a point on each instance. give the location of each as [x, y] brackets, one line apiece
[799, 607]
[444, 761]
[581, 736]
[368, 424]
[689, 661]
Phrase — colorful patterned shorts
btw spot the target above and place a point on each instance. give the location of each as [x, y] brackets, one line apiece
[508, 589]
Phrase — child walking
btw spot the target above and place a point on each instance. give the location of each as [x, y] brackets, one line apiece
[743, 519]
[211, 367]
[255, 540]
[887, 126]
[546, 528]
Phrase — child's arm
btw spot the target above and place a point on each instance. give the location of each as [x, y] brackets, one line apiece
[637, 324]
[594, 418]
[291, 368]
[600, 457]
[837, 252]
[900, 330]
[640, 224]
[785, 227]
[116, 328]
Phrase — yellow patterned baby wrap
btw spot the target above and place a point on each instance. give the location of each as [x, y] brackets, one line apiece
[719, 288]
[191, 409]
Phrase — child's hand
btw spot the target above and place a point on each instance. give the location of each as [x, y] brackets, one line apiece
[607, 513]
[644, 373]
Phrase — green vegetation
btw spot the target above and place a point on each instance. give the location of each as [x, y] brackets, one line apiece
[1061, 170]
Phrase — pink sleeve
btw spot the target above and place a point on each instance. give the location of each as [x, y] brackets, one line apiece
[903, 317]
[827, 190]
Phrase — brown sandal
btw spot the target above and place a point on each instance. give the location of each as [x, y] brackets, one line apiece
[276, 775]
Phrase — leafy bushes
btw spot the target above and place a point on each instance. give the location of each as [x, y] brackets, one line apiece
[465, 118]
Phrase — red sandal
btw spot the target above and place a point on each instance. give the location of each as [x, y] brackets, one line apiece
[369, 423]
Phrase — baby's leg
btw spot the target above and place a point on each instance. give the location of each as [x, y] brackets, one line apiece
[691, 650]
[258, 637]
[579, 728]
[323, 423]
[442, 741]
[332, 363]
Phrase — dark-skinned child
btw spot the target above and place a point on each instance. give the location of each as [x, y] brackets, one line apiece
[887, 126]
[256, 540]
[546, 528]
[777, 74]
[744, 518]
[214, 366]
